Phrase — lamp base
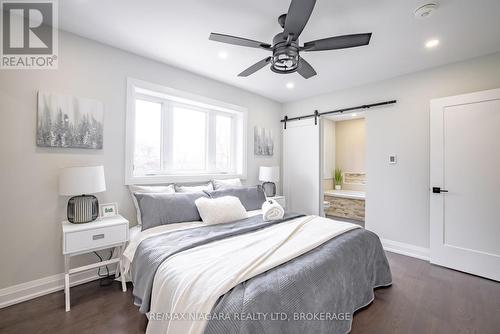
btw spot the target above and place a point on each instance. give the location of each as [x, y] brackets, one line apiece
[269, 189]
[83, 209]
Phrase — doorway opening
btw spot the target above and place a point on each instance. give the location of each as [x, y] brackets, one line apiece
[344, 177]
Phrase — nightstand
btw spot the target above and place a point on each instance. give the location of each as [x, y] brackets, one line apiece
[109, 232]
[280, 199]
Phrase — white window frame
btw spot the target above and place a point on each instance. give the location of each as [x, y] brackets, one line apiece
[138, 88]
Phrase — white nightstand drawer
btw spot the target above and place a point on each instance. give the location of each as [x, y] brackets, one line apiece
[88, 239]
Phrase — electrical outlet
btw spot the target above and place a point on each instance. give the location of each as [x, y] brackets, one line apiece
[393, 159]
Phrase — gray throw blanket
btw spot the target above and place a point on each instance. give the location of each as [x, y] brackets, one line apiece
[316, 292]
[153, 251]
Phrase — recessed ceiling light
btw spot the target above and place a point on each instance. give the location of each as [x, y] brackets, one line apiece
[223, 54]
[290, 85]
[432, 43]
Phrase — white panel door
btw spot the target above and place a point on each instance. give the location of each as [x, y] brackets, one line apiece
[301, 166]
[465, 161]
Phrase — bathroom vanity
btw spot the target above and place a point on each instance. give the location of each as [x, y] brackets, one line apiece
[348, 204]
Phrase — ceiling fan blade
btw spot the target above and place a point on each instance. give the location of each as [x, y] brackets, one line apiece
[238, 41]
[297, 16]
[305, 69]
[255, 67]
[338, 42]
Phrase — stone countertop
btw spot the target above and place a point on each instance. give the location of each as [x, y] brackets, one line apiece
[350, 194]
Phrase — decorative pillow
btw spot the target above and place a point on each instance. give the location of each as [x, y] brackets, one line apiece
[252, 198]
[148, 189]
[194, 189]
[162, 209]
[220, 210]
[228, 183]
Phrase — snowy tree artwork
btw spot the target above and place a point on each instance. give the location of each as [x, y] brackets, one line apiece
[69, 122]
[263, 141]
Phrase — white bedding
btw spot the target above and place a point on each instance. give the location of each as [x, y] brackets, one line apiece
[137, 238]
[190, 282]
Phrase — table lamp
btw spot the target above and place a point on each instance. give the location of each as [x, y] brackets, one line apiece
[79, 182]
[269, 176]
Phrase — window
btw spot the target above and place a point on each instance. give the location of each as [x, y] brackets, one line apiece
[223, 133]
[174, 136]
[147, 147]
[189, 139]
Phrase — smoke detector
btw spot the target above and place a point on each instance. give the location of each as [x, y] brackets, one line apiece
[426, 10]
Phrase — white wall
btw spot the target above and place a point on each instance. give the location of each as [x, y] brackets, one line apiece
[350, 145]
[398, 195]
[328, 148]
[30, 208]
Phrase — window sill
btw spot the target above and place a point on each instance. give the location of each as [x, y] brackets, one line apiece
[162, 179]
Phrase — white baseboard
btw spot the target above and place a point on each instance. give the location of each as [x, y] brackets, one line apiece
[43, 286]
[402, 248]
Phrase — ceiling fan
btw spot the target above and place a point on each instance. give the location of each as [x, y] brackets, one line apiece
[285, 47]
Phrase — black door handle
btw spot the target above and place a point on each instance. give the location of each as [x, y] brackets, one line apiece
[438, 190]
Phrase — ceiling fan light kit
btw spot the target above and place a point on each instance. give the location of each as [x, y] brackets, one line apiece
[285, 58]
[286, 49]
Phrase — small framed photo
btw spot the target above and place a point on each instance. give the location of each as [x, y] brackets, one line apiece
[108, 210]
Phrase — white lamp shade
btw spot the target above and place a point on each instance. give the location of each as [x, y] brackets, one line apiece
[81, 181]
[269, 174]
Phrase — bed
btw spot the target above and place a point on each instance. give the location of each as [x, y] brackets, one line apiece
[300, 274]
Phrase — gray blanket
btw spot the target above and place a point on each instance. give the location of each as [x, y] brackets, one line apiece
[317, 292]
[153, 251]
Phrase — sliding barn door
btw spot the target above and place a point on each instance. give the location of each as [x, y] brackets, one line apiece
[301, 166]
[465, 183]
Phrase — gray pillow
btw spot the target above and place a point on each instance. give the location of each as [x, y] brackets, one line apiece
[161, 209]
[252, 198]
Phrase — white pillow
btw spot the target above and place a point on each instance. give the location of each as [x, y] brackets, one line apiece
[147, 190]
[194, 189]
[227, 183]
[220, 210]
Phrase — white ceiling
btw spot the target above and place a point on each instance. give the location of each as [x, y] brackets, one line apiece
[176, 32]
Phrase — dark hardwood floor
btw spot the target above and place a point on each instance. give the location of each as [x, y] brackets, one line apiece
[423, 299]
